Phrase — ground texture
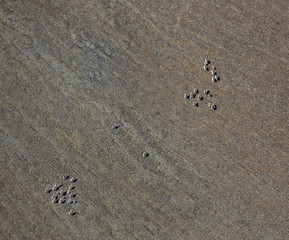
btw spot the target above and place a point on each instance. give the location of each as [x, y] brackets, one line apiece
[71, 69]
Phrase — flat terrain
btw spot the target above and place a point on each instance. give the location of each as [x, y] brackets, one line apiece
[71, 69]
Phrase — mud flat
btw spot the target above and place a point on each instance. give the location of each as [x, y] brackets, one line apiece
[95, 90]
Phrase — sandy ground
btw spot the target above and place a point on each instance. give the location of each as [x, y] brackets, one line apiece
[71, 69]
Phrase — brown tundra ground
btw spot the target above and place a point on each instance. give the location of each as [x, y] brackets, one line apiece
[70, 70]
